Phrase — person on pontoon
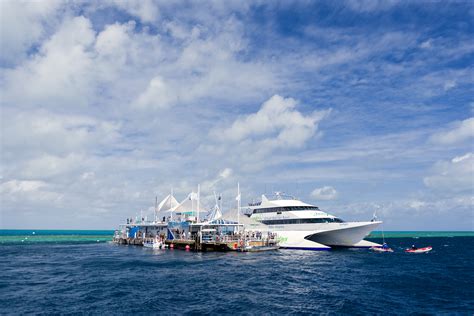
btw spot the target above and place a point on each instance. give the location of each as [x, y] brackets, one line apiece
[384, 245]
[413, 247]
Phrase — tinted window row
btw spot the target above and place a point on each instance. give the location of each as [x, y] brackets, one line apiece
[284, 209]
[302, 221]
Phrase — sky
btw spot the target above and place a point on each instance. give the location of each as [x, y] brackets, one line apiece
[355, 106]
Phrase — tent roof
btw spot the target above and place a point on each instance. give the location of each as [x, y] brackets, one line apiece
[168, 202]
[188, 205]
[250, 224]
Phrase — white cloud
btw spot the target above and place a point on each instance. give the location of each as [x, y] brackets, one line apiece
[47, 166]
[371, 5]
[112, 43]
[39, 132]
[224, 174]
[456, 175]
[26, 192]
[460, 132]
[104, 113]
[427, 44]
[15, 186]
[22, 25]
[448, 85]
[324, 193]
[157, 95]
[88, 176]
[276, 125]
[146, 10]
[59, 73]
[417, 204]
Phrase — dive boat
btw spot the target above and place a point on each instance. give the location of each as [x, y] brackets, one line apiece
[419, 250]
[304, 226]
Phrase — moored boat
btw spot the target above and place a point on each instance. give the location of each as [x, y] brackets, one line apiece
[381, 249]
[305, 227]
[154, 243]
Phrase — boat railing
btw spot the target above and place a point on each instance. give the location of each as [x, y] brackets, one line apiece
[220, 238]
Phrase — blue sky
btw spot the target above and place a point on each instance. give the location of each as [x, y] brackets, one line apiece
[354, 106]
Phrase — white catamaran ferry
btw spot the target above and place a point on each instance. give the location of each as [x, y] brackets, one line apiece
[305, 226]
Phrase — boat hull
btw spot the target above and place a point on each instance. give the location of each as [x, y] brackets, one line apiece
[350, 235]
[380, 249]
[419, 250]
[325, 236]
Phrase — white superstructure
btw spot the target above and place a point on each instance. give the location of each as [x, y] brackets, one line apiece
[305, 226]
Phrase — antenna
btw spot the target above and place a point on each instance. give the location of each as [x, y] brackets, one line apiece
[238, 204]
[156, 208]
[198, 198]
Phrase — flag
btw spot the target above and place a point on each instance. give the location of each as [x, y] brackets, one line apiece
[238, 197]
[193, 196]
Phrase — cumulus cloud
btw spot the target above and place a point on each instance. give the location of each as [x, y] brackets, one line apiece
[460, 132]
[22, 25]
[15, 186]
[59, 73]
[456, 175]
[106, 104]
[27, 191]
[277, 124]
[158, 94]
[39, 132]
[146, 10]
[324, 193]
[47, 166]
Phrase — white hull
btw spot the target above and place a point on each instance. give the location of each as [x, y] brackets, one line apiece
[304, 226]
[324, 236]
[154, 245]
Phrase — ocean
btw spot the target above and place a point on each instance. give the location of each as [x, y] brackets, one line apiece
[81, 272]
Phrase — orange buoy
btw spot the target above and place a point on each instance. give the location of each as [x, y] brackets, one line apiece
[171, 246]
[235, 246]
[187, 247]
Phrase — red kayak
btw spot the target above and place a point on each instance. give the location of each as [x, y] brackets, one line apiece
[419, 250]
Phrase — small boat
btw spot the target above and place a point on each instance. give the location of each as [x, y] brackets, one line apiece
[419, 250]
[384, 247]
[153, 243]
[381, 249]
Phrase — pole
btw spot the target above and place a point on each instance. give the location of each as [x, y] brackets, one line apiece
[156, 208]
[170, 204]
[238, 204]
[198, 198]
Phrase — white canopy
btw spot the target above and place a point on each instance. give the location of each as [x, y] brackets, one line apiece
[168, 203]
[189, 204]
[215, 214]
[249, 224]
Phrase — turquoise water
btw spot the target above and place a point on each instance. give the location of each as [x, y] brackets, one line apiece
[93, 236]
[54, 236]
[427, 234]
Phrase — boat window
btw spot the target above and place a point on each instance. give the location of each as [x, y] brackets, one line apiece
[302, 221]
[284, 209]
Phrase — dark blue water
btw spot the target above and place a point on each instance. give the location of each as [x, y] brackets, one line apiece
[102, 278]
